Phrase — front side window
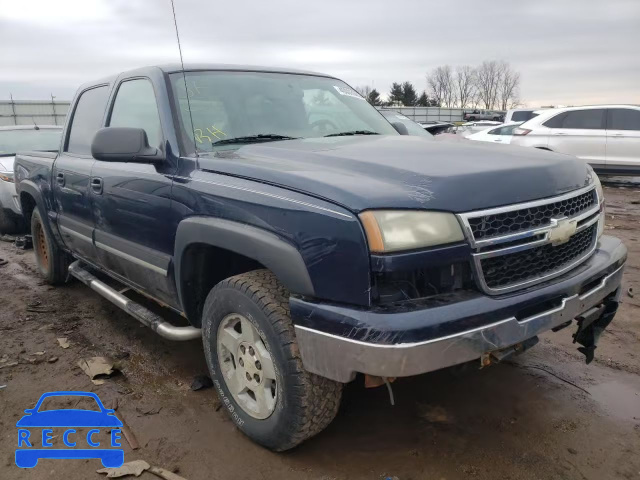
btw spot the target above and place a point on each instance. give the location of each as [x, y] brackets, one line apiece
[43, 139]
[623, 119]
[87, 120]
[227, 107]
[135, 106]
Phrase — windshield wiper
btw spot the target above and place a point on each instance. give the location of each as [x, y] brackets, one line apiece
[353, 132]
[263, 137]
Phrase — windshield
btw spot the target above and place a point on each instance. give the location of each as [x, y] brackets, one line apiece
[12, 141]
[412, 127]
[229, 107]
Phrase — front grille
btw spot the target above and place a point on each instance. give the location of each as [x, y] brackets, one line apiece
[520, 267]
[515, 221]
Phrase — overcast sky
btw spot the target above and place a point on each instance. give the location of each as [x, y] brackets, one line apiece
[567, 51]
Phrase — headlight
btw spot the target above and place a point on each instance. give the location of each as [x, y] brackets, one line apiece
[6, 176]
[600, 193]
[396, 230]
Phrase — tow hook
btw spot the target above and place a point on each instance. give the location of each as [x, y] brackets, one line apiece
[496, 356]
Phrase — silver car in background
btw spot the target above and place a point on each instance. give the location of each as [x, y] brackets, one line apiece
[605, 136]
[14, 139]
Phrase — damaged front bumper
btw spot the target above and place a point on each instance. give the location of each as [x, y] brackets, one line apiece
[417, 337]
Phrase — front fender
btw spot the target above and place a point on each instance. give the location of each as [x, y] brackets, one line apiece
[279, 256]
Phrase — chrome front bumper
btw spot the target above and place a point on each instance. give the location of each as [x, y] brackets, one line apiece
[340, 358]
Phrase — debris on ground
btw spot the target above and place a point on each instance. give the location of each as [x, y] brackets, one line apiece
[8, 238]
[39, 353]
[148, 411]
[97, 368]
[434, 414]
[128, 434]
[135, 467]
[52, 359]
[2, 386]
[24, 243]
[37, 307]
[630, 292]
[200, 382]
[64, 342]
[10, 364]
[3, 262]
[166, 474]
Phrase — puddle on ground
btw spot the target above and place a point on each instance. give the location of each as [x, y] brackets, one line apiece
[619, 399]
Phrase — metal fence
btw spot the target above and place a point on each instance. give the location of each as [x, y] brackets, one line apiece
[427, 114]
[28, 112]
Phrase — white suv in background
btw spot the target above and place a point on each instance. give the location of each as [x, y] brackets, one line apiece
[605, 136]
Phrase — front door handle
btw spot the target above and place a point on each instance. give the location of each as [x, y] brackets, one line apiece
[60, 179]
[96, 185]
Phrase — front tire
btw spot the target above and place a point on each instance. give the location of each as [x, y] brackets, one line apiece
[253, 358]
[51, 260]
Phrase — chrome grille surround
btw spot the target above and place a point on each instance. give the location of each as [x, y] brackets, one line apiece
[540, 235]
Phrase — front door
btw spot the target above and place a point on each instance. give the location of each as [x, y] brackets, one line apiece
[623, 139]
[134, 235]
[72, 171]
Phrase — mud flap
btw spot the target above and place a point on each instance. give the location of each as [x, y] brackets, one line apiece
[591, 324]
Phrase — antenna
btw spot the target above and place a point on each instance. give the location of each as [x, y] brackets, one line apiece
[184, 77]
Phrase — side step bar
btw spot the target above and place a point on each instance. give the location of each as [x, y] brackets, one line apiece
[140, 313]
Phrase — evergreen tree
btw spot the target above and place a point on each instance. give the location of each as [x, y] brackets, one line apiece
[409, 96]
[396, 95]
[374, 98]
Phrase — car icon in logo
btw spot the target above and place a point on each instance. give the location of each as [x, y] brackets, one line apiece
[36, 444]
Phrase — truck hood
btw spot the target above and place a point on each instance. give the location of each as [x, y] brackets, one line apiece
[365, 172]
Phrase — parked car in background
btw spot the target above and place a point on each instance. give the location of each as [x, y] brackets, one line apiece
[437, 128]
[605, 136]
[501, 134]
[470, 128]
[521, 114]
[483, 115]
[412, 127]
[15, 139]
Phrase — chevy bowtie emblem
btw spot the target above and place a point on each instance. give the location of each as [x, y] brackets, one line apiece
[561, 230]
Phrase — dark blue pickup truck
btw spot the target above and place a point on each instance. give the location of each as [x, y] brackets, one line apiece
[307, 241]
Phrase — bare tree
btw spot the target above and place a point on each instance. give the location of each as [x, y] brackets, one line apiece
[465, 85]
[364, 90]
[442, 86]
[509, 89]
[488, 83]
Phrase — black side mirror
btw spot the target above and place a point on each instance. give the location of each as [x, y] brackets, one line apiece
[123, 144]
[401, 128]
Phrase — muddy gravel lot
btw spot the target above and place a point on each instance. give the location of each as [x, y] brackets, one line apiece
[544, 415]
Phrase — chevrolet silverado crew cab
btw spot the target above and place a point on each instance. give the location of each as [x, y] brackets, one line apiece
[307, 242]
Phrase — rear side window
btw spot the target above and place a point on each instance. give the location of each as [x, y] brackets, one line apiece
[555, 122]
[87, 120]
[591, 119]
[136, 107]
[623, 119]
[523, 116]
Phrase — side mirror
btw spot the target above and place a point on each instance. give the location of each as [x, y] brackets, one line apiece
[123, 144]
[401, 128]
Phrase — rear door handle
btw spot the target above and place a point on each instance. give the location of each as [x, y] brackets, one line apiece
[60, 179]
[96, 185]
[559, 133]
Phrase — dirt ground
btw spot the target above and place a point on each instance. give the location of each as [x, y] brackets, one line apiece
[547, 415]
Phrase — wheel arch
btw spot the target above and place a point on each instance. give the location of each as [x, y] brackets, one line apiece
[209, 250]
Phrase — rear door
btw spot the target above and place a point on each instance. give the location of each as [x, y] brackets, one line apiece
[72, 170]
[623, 138]
[134, 233]
[581, 133]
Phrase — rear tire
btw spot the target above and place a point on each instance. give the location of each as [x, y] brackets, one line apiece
[51, 260]
[248, 333]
